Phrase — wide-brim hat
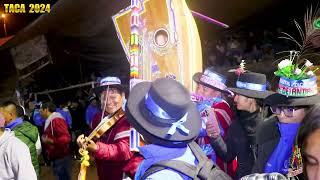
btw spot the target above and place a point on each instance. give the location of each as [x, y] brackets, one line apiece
[282, 100]
[111, 82]
[163, 113]
[253, 85]
[212, 79]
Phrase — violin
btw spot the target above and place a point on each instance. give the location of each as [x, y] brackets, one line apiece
[105, 124]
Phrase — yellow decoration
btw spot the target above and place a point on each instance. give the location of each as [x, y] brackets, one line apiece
[169, 38]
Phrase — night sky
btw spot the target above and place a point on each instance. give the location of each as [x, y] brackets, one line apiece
[71, 51]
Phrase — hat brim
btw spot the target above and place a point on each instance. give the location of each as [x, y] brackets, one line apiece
[196, 77]
[281, 100]
[99, 89]
[251, 93]
[138, 118]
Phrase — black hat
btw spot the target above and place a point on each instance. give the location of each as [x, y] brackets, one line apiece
[163, 113]
[298, 83]
[109, 82]
[253, 85]
[212, 79]
[281, 100]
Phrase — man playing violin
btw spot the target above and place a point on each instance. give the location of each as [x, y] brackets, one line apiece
[111, 151]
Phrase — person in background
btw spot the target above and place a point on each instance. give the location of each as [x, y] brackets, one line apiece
[21, 114]
[64, 111]
[56, 139]
[92, 110]
[23, 130]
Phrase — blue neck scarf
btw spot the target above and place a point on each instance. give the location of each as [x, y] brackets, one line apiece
[14, 123]
[280, 159]
[153, 153]
[201, 106]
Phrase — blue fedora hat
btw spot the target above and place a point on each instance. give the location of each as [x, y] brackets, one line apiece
[163, 113]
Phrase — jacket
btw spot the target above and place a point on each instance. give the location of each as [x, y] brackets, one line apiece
[268, 137]
[113, 157]
[56, 128]
[266, 142]
[28, 134]
[239, 142]
[15, 159]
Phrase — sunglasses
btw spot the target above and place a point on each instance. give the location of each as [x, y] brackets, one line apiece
[287, 110]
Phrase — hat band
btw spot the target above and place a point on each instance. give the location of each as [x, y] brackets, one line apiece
[215, 76]
[212, 82]
[298, 88]
[251, 86]
[158, 112]
[108, 83]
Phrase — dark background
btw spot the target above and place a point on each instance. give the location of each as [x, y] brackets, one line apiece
[82, 39]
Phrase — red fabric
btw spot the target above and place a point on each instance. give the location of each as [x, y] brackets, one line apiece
[224, 115]
[230, 167]
[114, 157]
[58, 132]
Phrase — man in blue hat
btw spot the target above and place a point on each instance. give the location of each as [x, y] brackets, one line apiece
[111, 151]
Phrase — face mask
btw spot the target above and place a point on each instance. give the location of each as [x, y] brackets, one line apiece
[2, 120]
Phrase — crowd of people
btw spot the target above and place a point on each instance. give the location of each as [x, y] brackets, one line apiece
[199, 135]
[255, 46]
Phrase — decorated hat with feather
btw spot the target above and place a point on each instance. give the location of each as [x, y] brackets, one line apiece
[298, 83]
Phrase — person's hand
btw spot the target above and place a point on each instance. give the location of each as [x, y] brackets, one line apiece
[85, 143]
[90, 145]
[80, 140]
[212, 126]
[47, 140]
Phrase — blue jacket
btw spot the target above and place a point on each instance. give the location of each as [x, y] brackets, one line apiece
[37, 119]
[90, 113]
[66, 115]
[153, 153]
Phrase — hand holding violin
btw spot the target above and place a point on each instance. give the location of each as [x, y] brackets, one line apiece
[85, 143]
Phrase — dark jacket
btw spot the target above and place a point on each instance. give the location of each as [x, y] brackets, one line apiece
[268, 137]
[239, 142]
[28, 134]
